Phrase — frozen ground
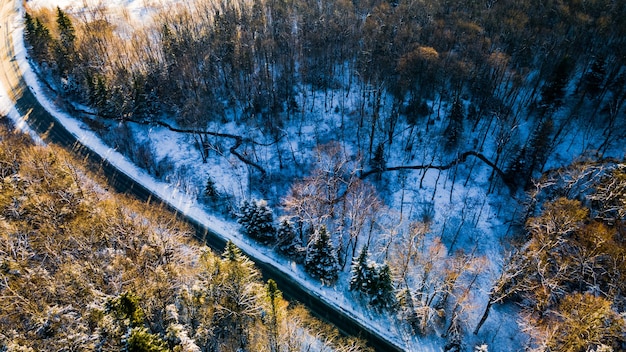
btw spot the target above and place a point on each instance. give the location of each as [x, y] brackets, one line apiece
[173, 195]
[455, 206]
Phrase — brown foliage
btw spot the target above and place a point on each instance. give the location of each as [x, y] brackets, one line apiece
[68, 249]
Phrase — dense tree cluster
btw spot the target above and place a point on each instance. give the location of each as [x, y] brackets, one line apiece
[334, 197]
[265, 63]
[289, 243]
[257, 221]
[332, 214]
[373, 279]
[321, 258]
[507, 78]
[83, 269]
[568, 273]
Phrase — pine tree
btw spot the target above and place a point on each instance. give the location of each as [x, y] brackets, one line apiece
[540, 144]
[236, 305]
[415, 110]
[66, 29]
[595, 77]
[210, 191]
[100, 97]
[554, 90]
[382, 291]
[125, 309]
[43, 39]
[408, 312]
[454, 130]
[321, 260]
[361, 272]
[517, 172]
[140, 340]
[38, 36]
[531, 157]
[378, 162]
[29, 28]
[232, 253]
[274, 296]
[257, 221]
[372, 279]
[245, 214]
[289, 243]
[65, 48]
[264, 229]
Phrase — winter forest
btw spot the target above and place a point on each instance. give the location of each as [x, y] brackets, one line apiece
[453, 166]
[85, 270]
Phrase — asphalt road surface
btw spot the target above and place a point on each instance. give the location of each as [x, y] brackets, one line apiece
[46, 126]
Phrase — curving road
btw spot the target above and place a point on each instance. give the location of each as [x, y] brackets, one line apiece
[46, 126]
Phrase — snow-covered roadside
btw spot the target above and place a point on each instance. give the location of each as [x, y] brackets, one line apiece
[450, 205]
[8, 109]
[182, 201]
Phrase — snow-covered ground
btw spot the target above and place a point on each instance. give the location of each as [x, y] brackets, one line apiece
[182, 201]
[455, 206]
[129, 10]
[7, 108]
[500, 331]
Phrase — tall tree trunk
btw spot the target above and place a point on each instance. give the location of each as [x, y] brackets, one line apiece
[484, 316]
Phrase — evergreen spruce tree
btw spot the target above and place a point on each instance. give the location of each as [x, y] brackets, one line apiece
[378, 162]
[408, 312]
[372, 279]
[210, 191]
[540, 144]
[100, 97]
[361, 272]
[382, 291]
[29, 28]
[238, 265]
[43, 38]
[137, 96]
[454, 130]
[237, 298]
[125, 309]
[415, 110]
[517, 173]
[289, 243]
[257, 221]
[232, 253]
[141, 340]
[67, 32]
[273, 296]
[531, 157]
[554, 90]
[264, 230]
[65, 49]
[38, 36]
[245, 215]
[321, 260]
[595, 77]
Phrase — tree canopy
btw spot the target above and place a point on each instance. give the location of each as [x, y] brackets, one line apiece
[85, 269]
